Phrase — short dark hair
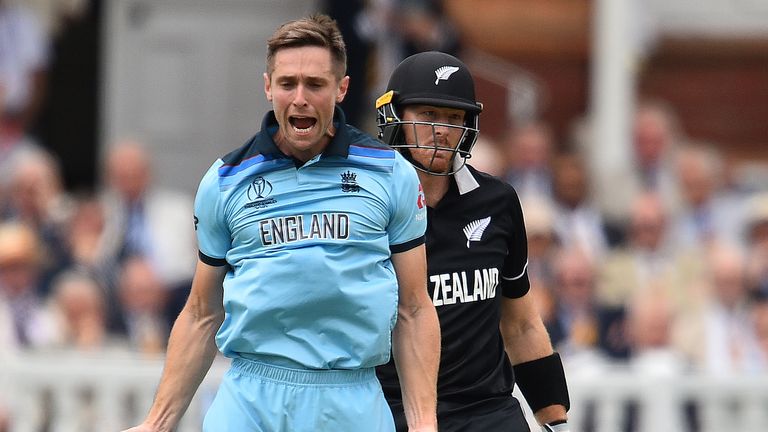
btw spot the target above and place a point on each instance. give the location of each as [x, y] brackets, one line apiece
[316, 30]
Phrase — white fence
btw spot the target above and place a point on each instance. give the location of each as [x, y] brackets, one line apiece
[670, 403]
[67, 392]
[80, 392]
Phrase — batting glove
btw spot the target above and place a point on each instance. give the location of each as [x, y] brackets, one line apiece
[559, 427]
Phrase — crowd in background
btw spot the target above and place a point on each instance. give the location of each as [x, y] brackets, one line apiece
[100, 271]
[679, 283]
[688, 262]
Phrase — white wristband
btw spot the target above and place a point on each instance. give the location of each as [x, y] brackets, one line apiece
[561, 427]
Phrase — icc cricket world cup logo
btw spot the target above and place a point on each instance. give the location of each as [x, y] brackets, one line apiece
[259, 189]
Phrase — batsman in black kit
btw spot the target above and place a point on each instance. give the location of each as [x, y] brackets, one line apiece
[492, 334]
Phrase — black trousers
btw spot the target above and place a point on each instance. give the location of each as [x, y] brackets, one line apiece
[488, 415]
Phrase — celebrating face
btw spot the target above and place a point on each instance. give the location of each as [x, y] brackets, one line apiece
[304, 90]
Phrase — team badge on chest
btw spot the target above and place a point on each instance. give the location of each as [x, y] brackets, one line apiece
[475, 229]
[349, 182]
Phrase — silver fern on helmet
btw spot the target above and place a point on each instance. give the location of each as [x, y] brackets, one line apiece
[445, 72]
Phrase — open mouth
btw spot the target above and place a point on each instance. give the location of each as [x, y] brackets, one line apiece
[302, 125]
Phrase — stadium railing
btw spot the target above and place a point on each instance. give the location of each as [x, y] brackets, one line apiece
[66, 392]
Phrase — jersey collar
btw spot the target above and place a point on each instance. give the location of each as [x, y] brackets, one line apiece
[339, 145]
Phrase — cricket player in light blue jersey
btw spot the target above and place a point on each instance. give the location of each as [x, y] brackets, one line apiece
[311, 266]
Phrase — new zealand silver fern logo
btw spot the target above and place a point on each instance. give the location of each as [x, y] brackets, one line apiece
[475, 229]
[444, 73]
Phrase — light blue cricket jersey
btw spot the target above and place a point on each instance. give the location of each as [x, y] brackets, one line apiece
[310, 283]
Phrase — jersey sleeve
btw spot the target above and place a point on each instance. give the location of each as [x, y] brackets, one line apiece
[213, 237]
[514, 276]
[408, 221]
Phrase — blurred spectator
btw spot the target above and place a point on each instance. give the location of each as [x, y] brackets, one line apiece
[423, 26]
[36, 198]
[35, 188]
[486, 157]
[9, 154]
[756, 234]
[79, 306]
[542, 240]
[544, 299]
[649, 327]
[708, 215]
[142, 299]
[23, 321]
[654, 137]
[528, 151]
[578, 222]
[380, 18]
[23, 64]
[582, 329]
[143, 220]
[357, 30]
[542, 251]
[574, 327]
[648, 259]
[650, 320]
[84, 235]
[399, 28]
[656, 133]
[721, 338]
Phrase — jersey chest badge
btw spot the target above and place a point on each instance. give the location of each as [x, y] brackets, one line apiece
[258, 193]
[349, 182]
[475, 229]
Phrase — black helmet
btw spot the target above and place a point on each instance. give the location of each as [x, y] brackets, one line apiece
[429, 78]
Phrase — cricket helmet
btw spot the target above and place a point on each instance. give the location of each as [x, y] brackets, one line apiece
[436, 79]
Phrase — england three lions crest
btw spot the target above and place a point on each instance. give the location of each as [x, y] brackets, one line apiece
[349, 182]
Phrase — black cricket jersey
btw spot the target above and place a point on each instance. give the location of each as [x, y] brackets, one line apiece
[476, 253]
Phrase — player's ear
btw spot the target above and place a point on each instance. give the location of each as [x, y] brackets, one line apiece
[267, 87]
[343, 86]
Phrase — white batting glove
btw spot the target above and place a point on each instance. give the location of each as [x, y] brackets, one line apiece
[560, 427]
